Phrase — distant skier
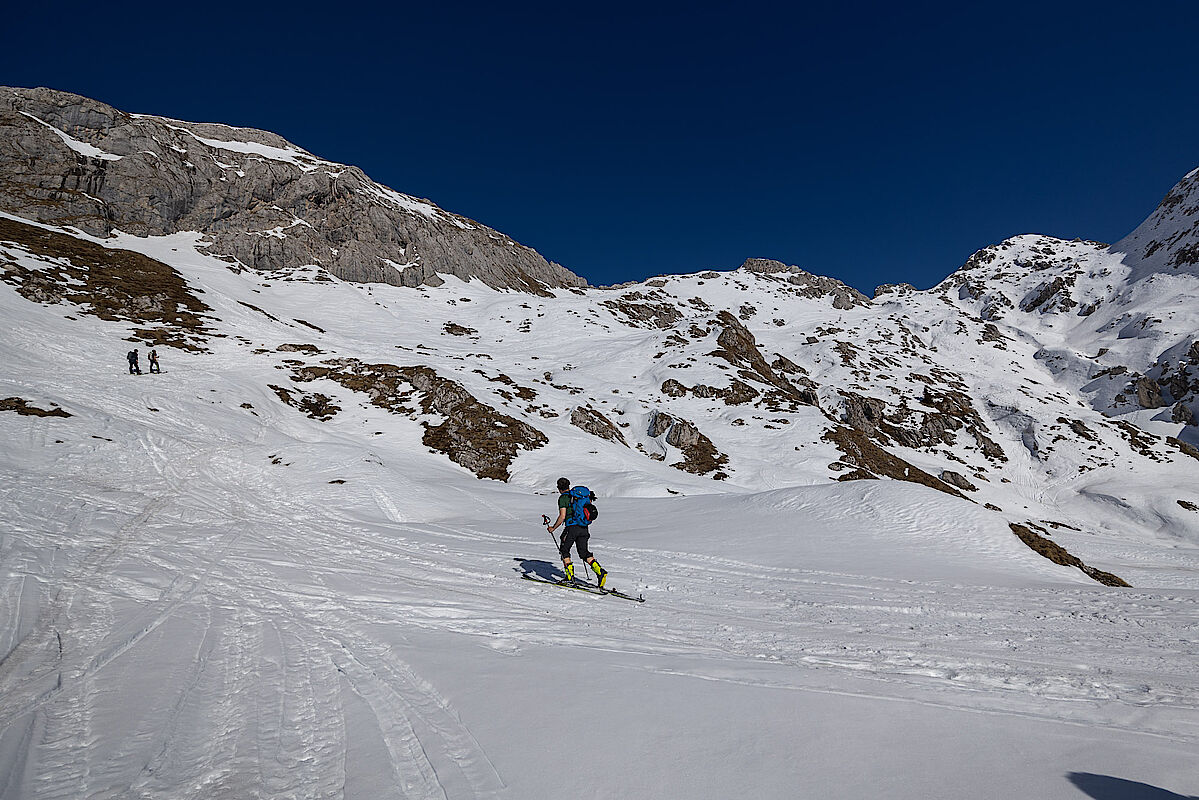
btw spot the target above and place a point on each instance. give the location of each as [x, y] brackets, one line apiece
[154, 367]
[134, 367]
[572, 514]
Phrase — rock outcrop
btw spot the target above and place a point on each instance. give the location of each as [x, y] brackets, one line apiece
[951, 411]
[471, 433]
[739, 347]
[807, 284]
[700, 455]
[68, 160]
[1168, 241]
[595, 423]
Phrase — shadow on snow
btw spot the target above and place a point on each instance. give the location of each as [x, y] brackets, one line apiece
[1105, 787]
[541, 569]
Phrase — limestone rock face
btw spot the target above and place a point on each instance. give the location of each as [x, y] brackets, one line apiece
[68, 160]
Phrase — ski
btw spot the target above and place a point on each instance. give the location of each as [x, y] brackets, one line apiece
[589, 588]
[623, 596]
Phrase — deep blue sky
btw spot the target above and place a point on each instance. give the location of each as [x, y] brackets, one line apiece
[874, 142]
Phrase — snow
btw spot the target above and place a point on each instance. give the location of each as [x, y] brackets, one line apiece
[288, 155]
[406, 203]
[82, 148]
[190, 608]
[397, 266]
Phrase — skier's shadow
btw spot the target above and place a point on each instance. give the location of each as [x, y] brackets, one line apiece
[540, 569]
[1105, 787]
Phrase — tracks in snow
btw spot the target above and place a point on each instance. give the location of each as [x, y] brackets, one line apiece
[262, 641]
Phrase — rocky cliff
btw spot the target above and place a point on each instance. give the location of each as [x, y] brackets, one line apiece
[69, 160]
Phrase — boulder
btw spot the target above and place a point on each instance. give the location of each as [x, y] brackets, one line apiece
[958, 480]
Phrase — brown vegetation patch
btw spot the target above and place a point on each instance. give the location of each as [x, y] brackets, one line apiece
[316, 328]
[1183, 447]
[473, 434]
[1059, 555]
[1139, 440]
[859, 451]
[21, 406]
[454, 329]
[266, 314]
[645, 315]
[114, 285]
[315, 405]
[522, 392]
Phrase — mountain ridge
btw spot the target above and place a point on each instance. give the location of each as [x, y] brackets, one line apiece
[259, 198]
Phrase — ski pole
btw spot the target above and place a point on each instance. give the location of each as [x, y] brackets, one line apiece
[545, 523]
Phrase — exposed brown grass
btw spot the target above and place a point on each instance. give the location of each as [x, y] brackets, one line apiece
[115, 285]
[316, 405]
[872, 461]
[472, 434]
[21, 406]
[1059, 555]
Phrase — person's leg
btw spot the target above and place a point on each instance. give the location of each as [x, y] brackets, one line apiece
[564, 544]
[601, 574]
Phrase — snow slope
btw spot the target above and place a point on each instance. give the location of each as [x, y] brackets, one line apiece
[207, 593]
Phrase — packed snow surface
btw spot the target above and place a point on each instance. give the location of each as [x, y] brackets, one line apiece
[206, 594]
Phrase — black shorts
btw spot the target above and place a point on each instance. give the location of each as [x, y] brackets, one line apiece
[576, 535]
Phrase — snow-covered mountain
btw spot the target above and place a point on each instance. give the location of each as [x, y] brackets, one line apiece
[288, 565]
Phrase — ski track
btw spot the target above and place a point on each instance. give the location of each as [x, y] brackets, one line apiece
[296, 615]
[281, 622]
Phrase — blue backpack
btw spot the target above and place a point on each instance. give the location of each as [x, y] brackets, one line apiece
[582, 510]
